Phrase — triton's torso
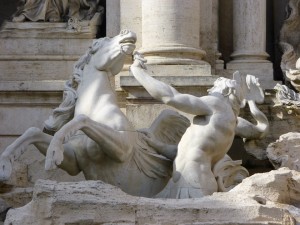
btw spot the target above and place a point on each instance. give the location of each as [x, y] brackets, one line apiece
[211, 135]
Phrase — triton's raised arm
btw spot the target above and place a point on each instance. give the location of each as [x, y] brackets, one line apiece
[166, 93]
[248, 130]
[253, 95]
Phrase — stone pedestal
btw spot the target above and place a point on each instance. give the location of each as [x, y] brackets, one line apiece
[249, 41]
[262, 70]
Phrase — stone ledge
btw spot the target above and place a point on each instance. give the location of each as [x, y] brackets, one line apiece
[176, 81]
[20, 57]
[50, 30]
[45, 85]
[94, 202]
[196, 85]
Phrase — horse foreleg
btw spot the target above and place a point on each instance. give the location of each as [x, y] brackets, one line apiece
[41, 141]
[116, 144]
[55, 152]
[18, 147]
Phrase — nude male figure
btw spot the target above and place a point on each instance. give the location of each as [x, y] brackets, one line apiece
[211, 132]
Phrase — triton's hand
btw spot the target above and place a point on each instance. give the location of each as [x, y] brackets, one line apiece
[255, 91]
[139, 60]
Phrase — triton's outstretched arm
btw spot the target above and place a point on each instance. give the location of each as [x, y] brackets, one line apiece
[165, 93]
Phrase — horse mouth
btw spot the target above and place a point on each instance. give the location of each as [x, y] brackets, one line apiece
[128, 41]
[128, 45]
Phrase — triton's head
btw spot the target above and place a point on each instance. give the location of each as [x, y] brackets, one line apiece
[240, 87]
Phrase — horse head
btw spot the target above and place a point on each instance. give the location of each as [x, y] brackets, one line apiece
[108, 54]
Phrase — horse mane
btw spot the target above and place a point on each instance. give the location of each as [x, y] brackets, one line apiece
[65, 111]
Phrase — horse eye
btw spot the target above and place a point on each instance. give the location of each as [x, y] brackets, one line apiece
[98, 44]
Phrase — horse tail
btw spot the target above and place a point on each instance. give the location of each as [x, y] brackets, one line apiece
[64, 112]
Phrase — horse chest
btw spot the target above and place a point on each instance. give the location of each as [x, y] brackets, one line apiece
[94, 102]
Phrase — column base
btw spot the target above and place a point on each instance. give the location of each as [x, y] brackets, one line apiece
[250, 56]
[262, 69]
[173, 55]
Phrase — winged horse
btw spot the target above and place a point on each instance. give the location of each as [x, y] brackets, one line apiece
[92, 135]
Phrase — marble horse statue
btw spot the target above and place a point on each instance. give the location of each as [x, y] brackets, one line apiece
[92, 135]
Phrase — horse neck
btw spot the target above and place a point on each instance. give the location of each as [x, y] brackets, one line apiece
[95, 83]
[97, 100]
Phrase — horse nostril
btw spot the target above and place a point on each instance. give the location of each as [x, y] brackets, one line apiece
[123, 32]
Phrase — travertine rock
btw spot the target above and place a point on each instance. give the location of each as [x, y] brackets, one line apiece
[281, 186]
[289, 37]
[255, 201]
[285, 151]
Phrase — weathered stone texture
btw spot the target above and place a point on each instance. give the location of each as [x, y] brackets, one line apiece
[260, 199]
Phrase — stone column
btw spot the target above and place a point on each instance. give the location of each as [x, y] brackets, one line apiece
[249, 39]
[209, 33]
[249, 30]
[171, 32]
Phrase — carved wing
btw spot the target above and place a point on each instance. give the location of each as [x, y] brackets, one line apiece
[169, 127]
[157, 145]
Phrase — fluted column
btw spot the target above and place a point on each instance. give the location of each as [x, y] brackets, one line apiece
[249, 30]
[171, 32]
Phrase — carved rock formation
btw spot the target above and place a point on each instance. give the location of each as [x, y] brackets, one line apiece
[285, 151]
[259, 199]
[289, 42]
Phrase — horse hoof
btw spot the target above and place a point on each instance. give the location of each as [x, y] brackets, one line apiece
[50, 165]
[5, 169]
